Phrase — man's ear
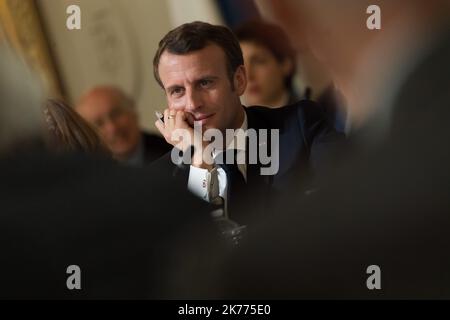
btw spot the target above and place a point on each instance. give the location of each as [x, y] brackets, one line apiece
[240, 80]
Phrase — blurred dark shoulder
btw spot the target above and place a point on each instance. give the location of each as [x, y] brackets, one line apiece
[154, 146]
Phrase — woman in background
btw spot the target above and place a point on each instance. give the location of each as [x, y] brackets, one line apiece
[270, 62]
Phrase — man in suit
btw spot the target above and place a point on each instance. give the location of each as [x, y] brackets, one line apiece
[201, 69]
[113, 113]
[388, 205]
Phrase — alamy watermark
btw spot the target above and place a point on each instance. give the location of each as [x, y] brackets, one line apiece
[257, 143]
[73, 281]
[73, 21]
[374, 280]
[373, 22]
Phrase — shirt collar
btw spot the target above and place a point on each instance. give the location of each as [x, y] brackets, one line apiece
[239, 139]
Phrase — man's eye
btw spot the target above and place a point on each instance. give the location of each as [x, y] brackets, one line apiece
[176, 92]
[205, 83]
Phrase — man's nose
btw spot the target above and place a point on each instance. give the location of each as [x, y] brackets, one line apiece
[109, 128]
[193, 100]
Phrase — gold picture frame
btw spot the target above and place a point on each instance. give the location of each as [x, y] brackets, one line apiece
[23, 30]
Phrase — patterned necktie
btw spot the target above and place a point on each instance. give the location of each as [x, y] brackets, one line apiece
[236, 184]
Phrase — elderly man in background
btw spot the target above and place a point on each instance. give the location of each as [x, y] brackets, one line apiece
[113, 113]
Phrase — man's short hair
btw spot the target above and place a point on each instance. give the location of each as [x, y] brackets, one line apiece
[195, 36]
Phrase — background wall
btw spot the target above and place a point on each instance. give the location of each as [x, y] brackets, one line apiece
[182, 11]
[116, 44]
[21, 28]
[118, 39]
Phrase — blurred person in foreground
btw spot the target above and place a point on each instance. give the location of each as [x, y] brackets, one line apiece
[71, 208]
[114, 114]
[388, 206]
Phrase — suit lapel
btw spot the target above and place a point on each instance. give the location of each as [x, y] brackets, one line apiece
[258, 185]
[254, 177]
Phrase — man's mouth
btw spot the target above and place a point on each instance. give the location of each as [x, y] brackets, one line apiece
[203, 117]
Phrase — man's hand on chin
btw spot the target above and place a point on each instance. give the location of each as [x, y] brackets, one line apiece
[177, 129]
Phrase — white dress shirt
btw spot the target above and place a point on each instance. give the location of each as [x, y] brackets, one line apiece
[211, 185]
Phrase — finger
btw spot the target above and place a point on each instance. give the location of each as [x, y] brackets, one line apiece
[189, 118]
[168, 122]
[180, 118]
[185, 141]
[166, 117]
[181, 121]
[160, 126]
[171, 117]
[160, 116]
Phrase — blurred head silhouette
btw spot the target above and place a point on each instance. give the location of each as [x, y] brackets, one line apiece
[363, 62]
[68, 131]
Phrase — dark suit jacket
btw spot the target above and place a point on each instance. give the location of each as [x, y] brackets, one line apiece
[333, 106]
[306, 147]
